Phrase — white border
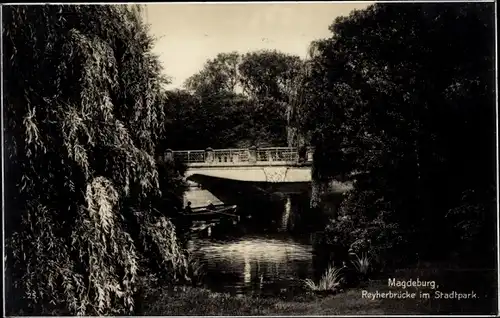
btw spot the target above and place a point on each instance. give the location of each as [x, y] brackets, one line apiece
[264, 2]
[496, 154]
[3, 163]
[247, 2]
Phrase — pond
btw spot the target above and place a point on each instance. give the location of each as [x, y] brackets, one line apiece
[266, 253]
[255, 264]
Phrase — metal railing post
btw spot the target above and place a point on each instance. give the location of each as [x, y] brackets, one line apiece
[252, 154]
[209, 155]
[310, 154]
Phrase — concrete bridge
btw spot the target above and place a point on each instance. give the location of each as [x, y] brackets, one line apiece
[226, 171]
[275, 165]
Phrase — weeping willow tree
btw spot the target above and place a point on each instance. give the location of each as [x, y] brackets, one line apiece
[298, 129]
[297, 132]
[82, 120]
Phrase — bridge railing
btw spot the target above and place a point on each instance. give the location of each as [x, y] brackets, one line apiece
[277, 155]
[191, 156]
[229, 155]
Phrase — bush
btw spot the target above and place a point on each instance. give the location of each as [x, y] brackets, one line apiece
[473, 223]
[376, 237]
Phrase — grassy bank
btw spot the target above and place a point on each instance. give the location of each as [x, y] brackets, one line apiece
[197, 301]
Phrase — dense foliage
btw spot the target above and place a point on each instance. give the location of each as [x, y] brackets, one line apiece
[218, 121]
[403, 95]
[236, 101]
[83, 118]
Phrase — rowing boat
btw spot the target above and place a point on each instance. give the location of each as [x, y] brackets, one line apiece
[205, 213]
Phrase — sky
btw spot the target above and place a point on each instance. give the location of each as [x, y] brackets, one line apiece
[190, 34]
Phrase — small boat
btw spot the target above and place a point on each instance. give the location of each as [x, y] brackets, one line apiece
[206, 214]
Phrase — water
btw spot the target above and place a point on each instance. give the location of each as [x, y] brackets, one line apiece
[255, 265]
[260, 255]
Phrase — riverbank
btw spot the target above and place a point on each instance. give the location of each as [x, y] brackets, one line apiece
[198, 301]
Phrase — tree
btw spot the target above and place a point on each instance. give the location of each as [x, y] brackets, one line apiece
[248, 97]
[183, 115]
[83, 122]
[218, 75]
[410, 113]
[272, 80]
[217, 121]
[269, 74]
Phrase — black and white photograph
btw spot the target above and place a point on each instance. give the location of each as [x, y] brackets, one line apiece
[250, 158]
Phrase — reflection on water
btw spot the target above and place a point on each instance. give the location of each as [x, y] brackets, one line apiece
[267, 252]
[286, 214]
[254, 264]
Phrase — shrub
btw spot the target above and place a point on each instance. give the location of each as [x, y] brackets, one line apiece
[473, 223]
[377, 237]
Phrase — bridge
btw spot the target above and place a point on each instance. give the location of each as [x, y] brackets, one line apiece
[239, 175]
[224, 173]
[276, 165]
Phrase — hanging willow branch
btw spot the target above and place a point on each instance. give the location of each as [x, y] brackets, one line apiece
[83, 119]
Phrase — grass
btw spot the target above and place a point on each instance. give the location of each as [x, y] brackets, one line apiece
[198, 301]
[362, 264]
[330, 281]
